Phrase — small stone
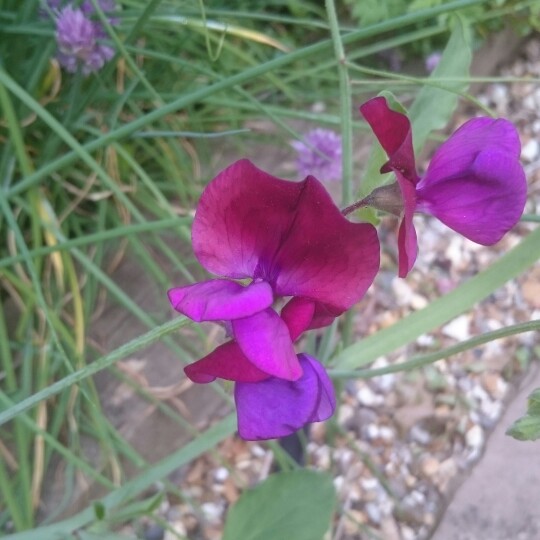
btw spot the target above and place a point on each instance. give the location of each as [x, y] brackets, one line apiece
[221, 474]
[429, 466]
[154, 532]
[345, 414]
[368, 398]
[373, 512]
[212, 511]
[475, 437]
[458, 329]
[530, 150]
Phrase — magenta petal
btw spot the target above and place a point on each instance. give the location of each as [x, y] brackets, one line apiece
[325, 257]
[265, 340]
[482, 204]
[241, 220]
[393, 130]
[407, 243]
[220, 299]
[276, 408]
[226, 362]
[456, 155]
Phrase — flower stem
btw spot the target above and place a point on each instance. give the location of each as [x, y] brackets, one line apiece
[355, 206]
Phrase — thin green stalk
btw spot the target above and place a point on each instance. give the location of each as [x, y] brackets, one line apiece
[345, 103]
[444, 308]
[211, 89]
[430, 358]
[90, 239]
[91, 369]
[11, 501]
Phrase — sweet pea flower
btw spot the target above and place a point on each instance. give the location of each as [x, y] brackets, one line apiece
[474, 183]
[268, 239]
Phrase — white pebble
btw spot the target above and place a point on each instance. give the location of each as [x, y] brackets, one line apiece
[458, 329]
[530, 151]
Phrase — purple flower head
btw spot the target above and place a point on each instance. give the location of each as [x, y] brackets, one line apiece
[474, 183]
[432, 61]
[282, 239]
[319, 154]
[77, 37]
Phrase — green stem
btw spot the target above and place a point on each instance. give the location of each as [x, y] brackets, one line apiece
[426, 359]
[93, 368]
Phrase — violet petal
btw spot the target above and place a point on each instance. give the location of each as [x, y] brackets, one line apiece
[482, 204]
[265, 340]
[276, 408]
[220, 299]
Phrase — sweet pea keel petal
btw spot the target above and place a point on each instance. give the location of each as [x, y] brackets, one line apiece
[276, 408]
[220, 299]
[265, 340]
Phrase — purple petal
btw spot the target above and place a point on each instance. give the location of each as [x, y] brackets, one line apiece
[241, 220]
[455, 156]
[276, 408]
[484, 202]
[265, 340]
[325, 257]
[226, 362]
[220, 299]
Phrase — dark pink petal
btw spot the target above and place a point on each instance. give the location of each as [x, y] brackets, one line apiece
[325, 257]
[220, 299]
[456, 155]
[276, 408]
[393, 130]
[266, 342]
[226, 362]
[407, 243]
[297, 314]
[242, 218]
[484, 202]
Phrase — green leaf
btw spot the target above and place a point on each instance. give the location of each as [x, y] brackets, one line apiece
[434, 106]
[534, 403]
[526, 428]
[297, 504]
[99, 510]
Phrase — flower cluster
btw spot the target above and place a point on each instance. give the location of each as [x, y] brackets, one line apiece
[287, 260]
[269, 240]
[319, 154]
[78, 35]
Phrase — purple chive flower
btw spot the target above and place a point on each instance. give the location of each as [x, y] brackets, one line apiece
[319, 154]
[432, 61]
[77, 37]
[474, 183]
[290, 241]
